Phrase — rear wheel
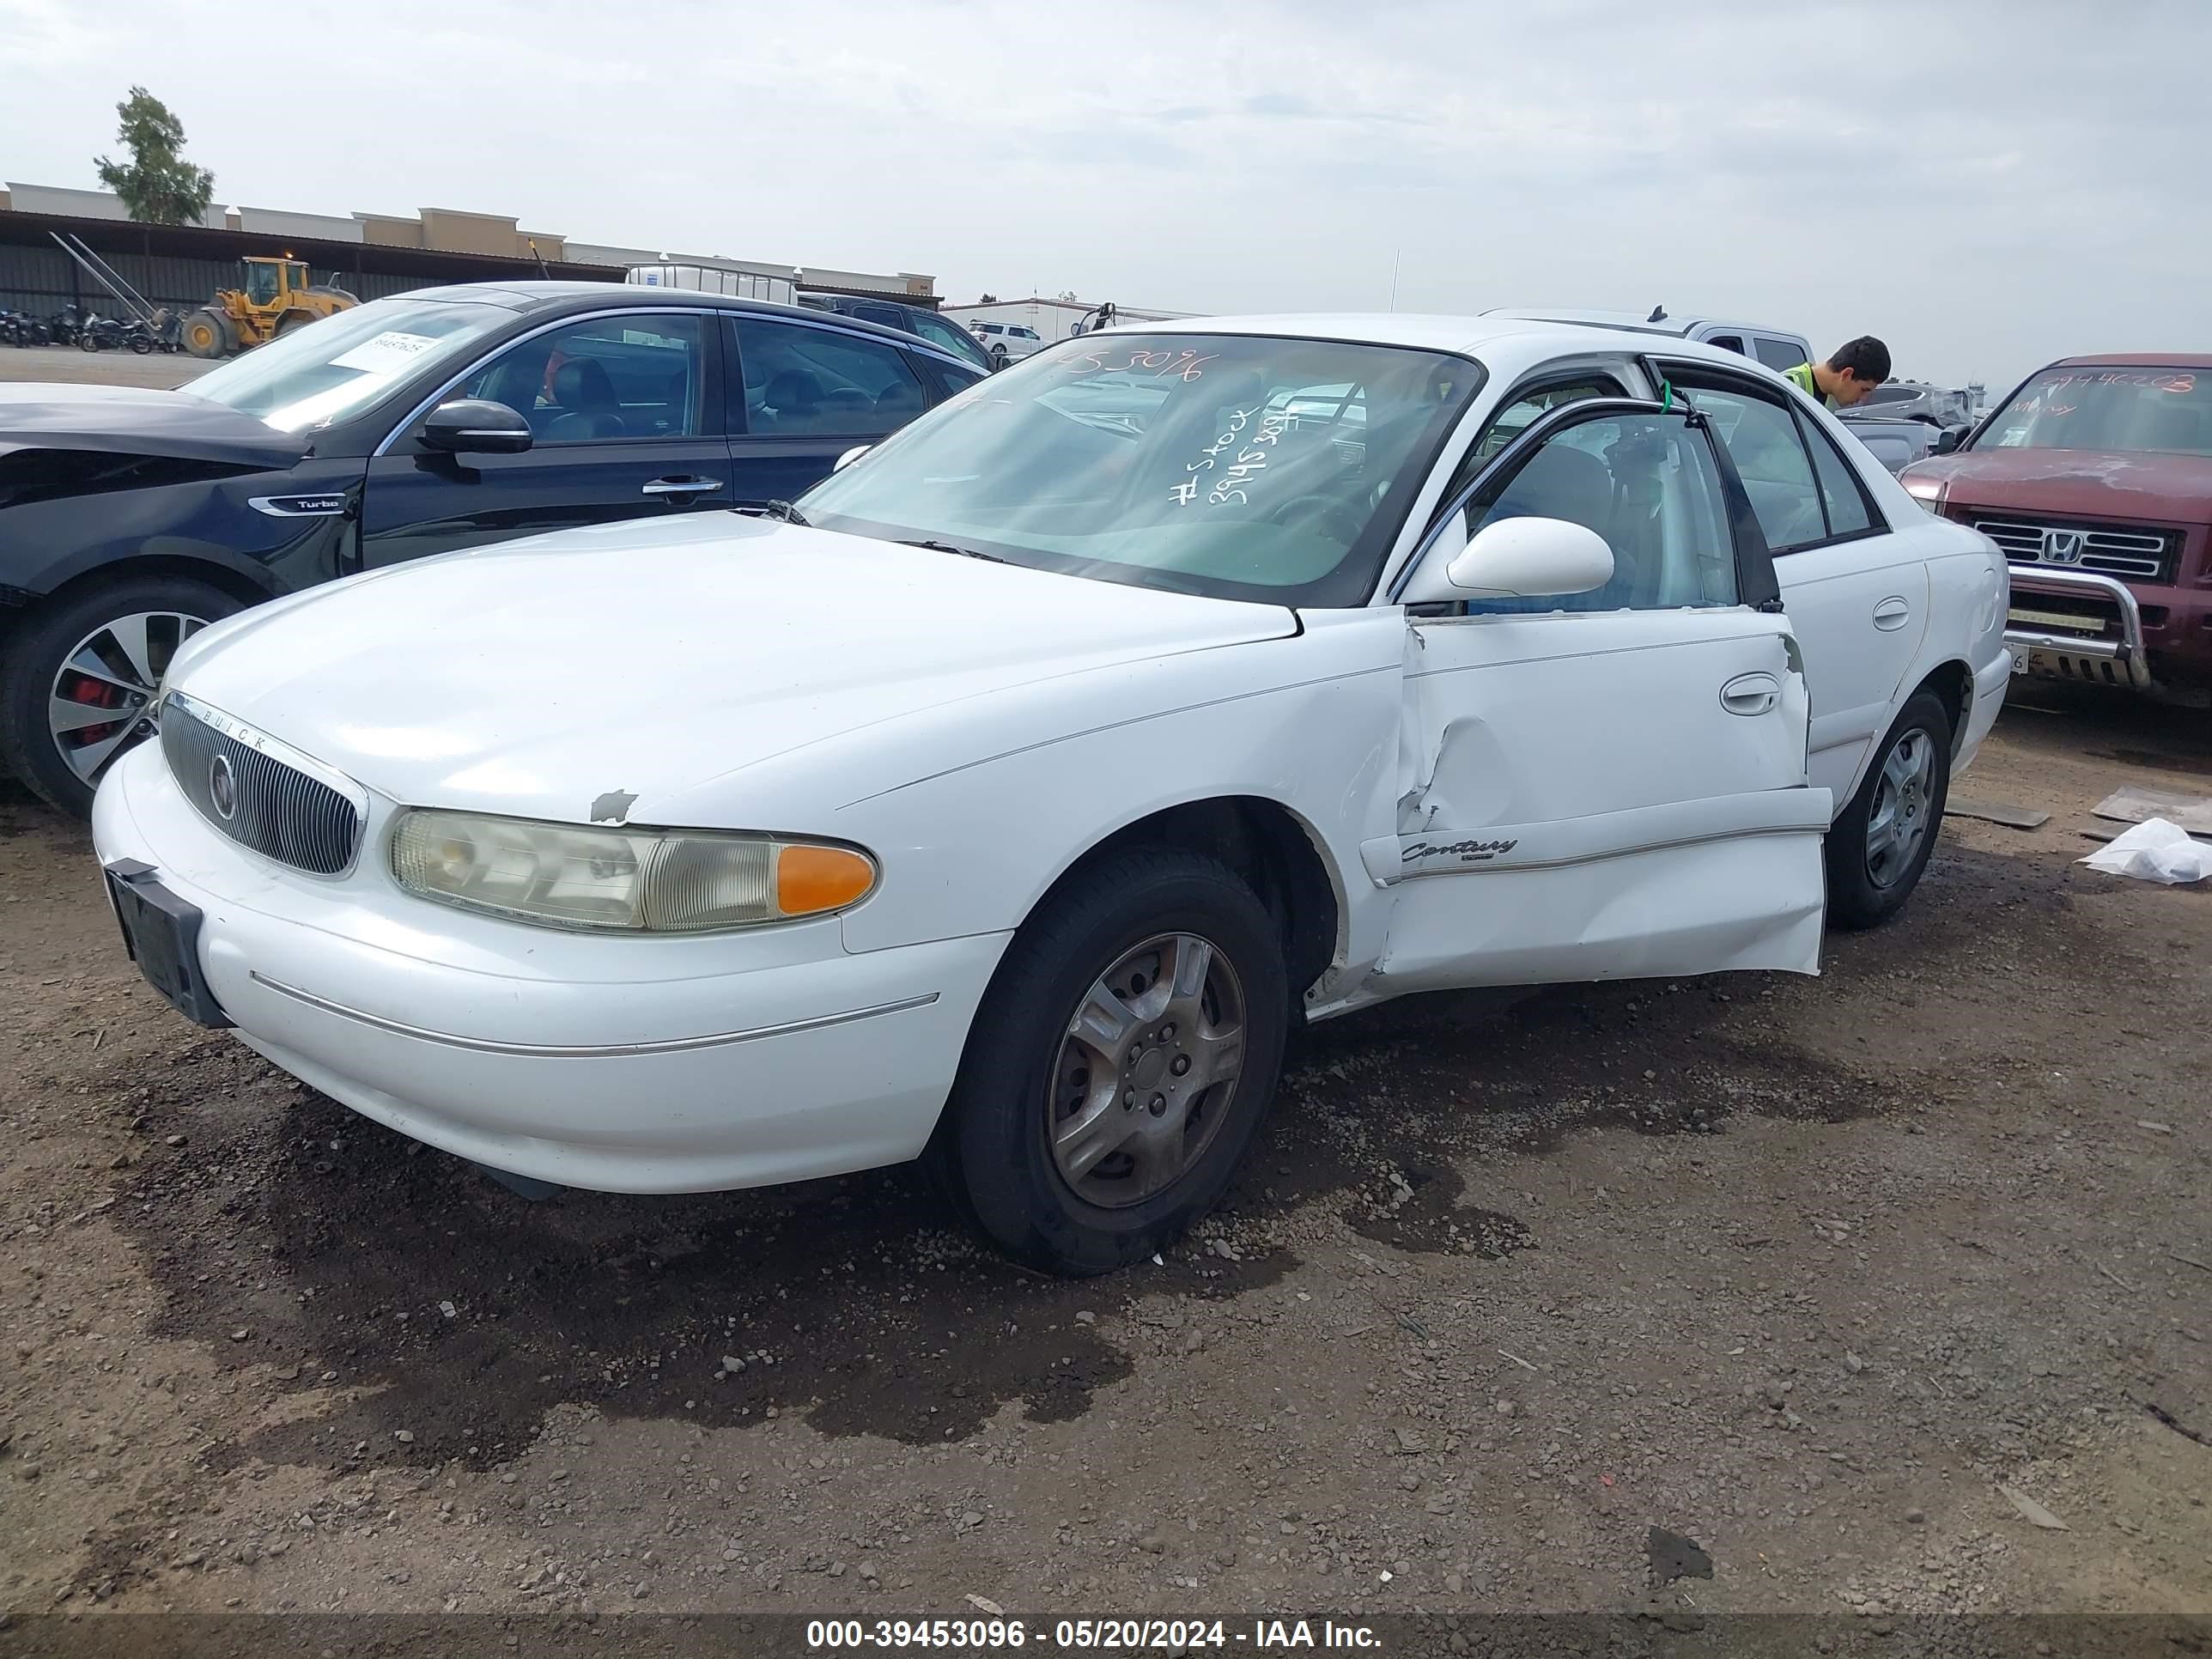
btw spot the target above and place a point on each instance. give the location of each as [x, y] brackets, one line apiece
[205, 333]
[78, 682]
[1119, 1065]
[291, 320]
[1877, 849]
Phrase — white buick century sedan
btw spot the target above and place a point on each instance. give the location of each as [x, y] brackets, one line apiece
[1006, 800]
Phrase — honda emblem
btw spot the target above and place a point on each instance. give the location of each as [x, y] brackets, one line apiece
[2062, 546]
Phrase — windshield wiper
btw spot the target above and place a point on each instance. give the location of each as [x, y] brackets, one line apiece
[783, 510]
[964, 552]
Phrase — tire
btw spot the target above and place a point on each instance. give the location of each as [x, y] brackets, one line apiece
[48, 639]
[142, 344]
[291, 320]
[1869, 875]
[205, 333]
[998, 358]
[1027, 1071]
[88, 341]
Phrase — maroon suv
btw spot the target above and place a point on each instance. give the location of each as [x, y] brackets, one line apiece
[2095, 477]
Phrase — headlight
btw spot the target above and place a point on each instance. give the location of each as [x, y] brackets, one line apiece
[653, 881]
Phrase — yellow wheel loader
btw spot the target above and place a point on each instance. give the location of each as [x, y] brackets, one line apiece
[276, 299]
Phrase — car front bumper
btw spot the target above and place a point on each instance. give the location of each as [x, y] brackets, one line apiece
[619, 1065]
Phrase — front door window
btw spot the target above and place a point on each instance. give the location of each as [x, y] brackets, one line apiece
[604, 379]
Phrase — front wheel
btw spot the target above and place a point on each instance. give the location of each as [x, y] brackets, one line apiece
[78, 680]
[204, 334]
[1119, 1065]
[1877, 849]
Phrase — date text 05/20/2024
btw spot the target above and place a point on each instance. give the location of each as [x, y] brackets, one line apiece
[1107, 1635]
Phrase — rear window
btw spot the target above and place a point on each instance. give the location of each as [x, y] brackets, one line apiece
[2161, 410]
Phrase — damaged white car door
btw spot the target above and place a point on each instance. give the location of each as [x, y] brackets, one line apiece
[1603, 758]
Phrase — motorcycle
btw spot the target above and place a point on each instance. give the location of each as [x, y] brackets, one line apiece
[101, 334]
[18, 328]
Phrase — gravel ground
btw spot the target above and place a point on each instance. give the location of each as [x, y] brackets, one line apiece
[159, 368]
[1833, 1281]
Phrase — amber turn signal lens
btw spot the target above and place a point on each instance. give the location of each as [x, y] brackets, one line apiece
[812, 879]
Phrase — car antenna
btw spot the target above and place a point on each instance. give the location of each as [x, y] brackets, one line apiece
[1658, 314]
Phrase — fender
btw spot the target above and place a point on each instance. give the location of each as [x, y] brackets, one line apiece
[1308, 723]
[213, 522]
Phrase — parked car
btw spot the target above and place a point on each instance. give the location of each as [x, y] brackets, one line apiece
[1007, 343]
[2095, 478]
[917, 320]
[1777, 349]
[1007, 802]
[450, 417]
[1917, 400]
[1898, 441]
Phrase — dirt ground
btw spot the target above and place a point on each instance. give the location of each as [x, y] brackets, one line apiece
[1815, 1272]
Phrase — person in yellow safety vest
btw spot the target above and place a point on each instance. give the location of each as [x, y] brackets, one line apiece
[1854, 369]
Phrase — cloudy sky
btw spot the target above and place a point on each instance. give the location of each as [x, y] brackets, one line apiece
[1985, 183]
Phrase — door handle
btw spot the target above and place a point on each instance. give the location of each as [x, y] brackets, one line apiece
[1751, 694]
[680, 487]
[1891, 614]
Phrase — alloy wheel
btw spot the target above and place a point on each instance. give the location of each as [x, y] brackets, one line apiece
[99, 702]
[1148, 1071]
[1901, 818]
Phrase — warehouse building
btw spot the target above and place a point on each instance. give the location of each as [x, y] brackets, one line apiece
[371, 254]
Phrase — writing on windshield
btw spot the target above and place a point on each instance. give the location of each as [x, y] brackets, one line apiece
[1185, 365]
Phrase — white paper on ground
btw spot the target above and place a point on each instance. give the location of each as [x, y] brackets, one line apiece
[2155, 850]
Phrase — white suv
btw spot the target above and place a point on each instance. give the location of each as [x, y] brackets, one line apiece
[1007, 343]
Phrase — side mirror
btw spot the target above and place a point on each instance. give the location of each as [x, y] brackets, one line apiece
[849, 457]
[1948, 440]
[476, 426]
[1524, 558]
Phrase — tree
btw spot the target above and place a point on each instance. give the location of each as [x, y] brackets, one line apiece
[158, 186]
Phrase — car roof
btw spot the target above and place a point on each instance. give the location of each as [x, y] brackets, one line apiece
[2139, 360]
[1465, 335]
[554, 298]
[1633, 322]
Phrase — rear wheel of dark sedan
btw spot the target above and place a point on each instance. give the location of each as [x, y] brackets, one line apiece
[1120, 1064]
[78, 680]
[1878, 848]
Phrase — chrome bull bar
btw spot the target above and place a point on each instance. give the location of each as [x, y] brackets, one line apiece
[2068, 656]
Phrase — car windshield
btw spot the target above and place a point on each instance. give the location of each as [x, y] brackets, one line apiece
[313, 376]
[2164, 410]
[1235, 465]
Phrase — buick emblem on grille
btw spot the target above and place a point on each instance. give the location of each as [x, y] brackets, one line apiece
[222, 786]
[2062, 546]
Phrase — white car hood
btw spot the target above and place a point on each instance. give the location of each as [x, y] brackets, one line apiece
[536, 678]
